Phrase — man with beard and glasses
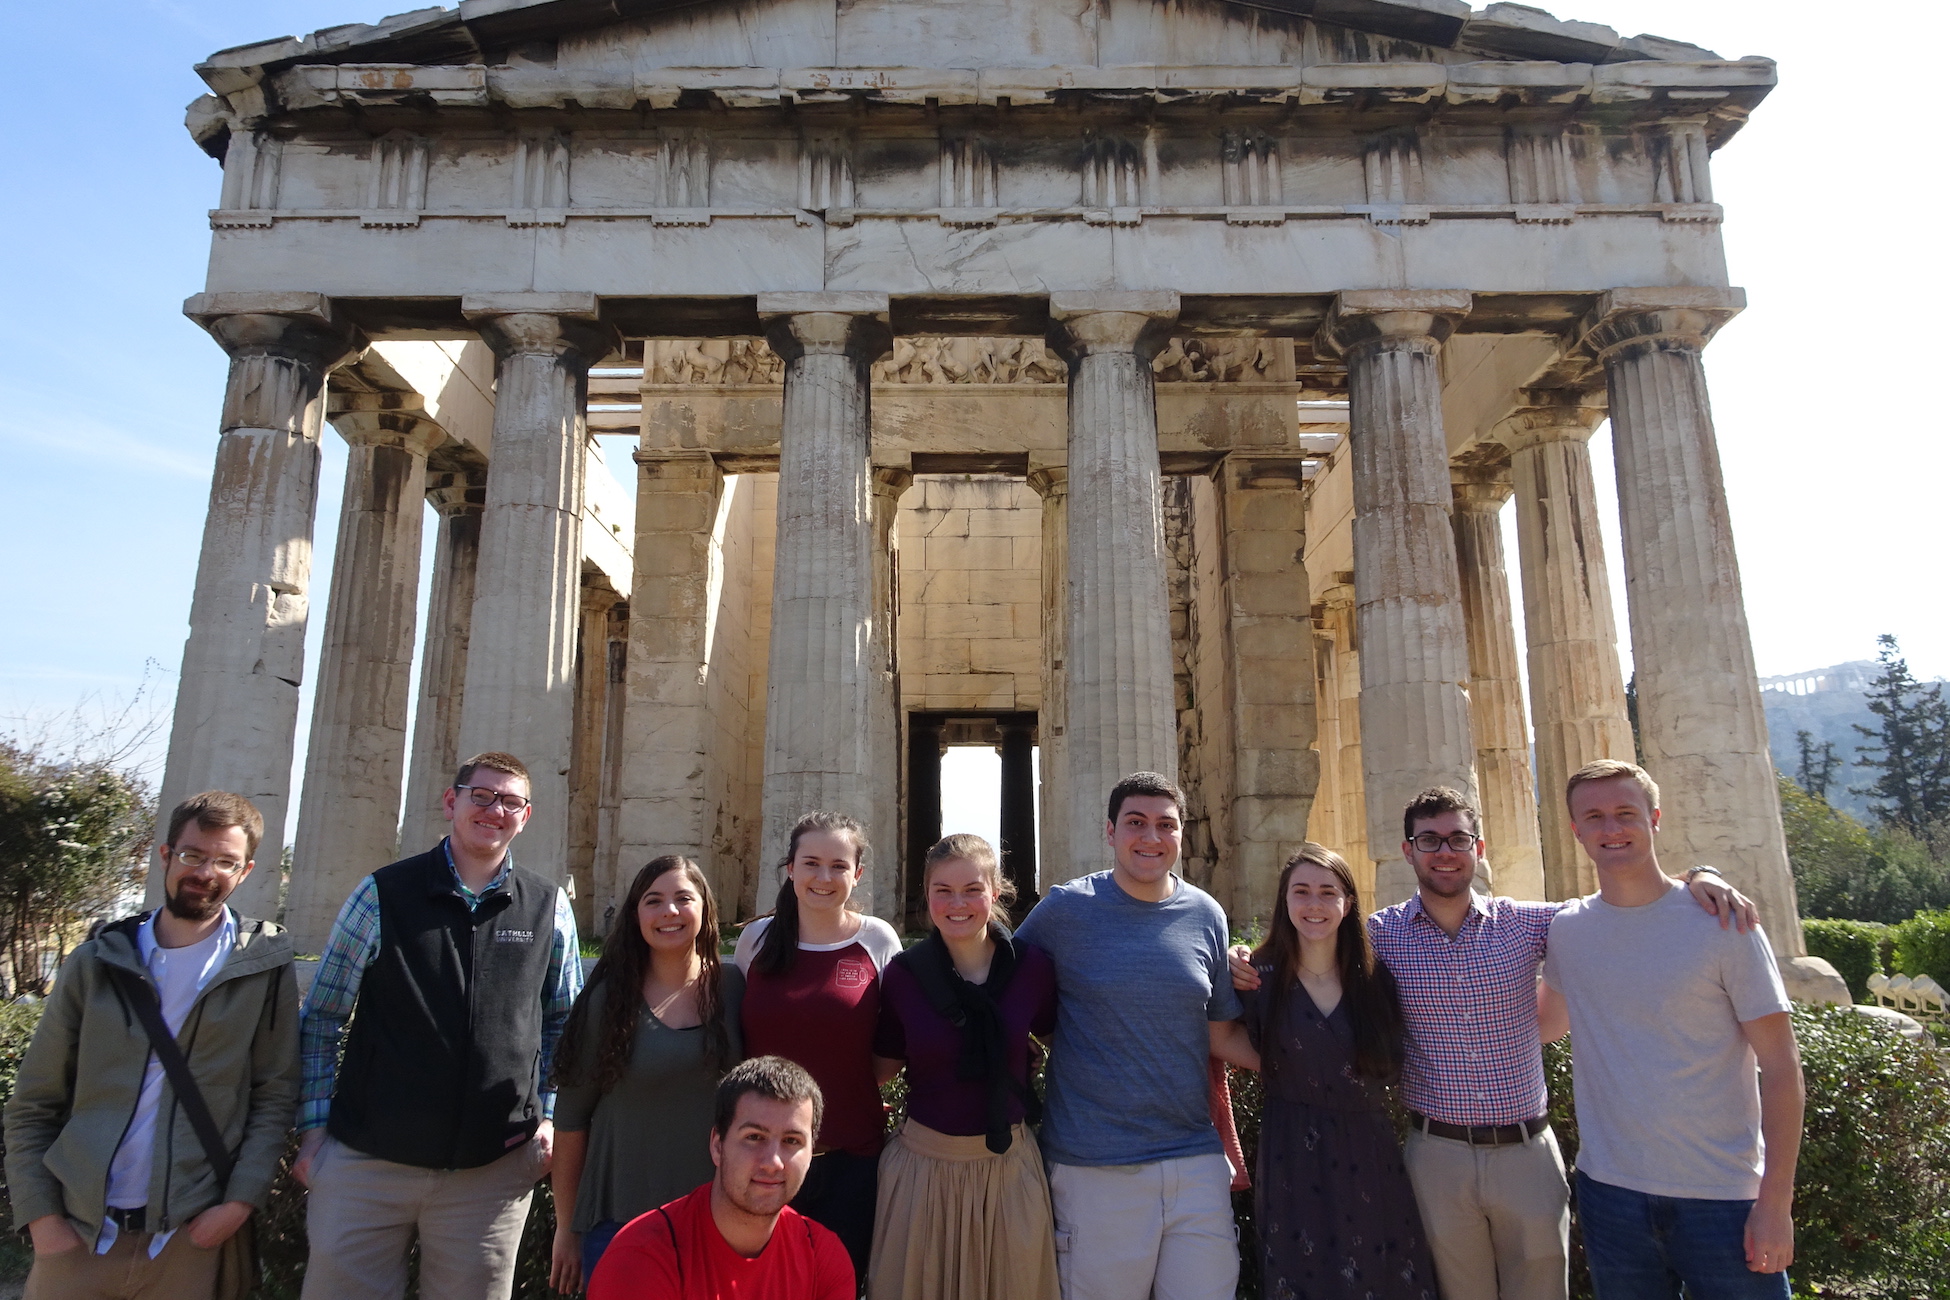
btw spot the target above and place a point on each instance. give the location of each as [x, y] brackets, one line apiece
[104, 1163]
[736, 1238]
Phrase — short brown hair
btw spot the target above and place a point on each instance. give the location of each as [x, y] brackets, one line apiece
[494, 761]
[217, 810]
[975, 849]
[1605, 769]
[1435, 801]
[771, 1077]
[1145, 785]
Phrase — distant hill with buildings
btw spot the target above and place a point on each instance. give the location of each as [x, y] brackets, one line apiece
[1826, 703]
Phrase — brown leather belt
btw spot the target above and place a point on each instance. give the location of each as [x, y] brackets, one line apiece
[1481, 1135]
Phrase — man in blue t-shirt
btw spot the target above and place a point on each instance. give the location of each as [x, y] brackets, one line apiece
[1138, 1178]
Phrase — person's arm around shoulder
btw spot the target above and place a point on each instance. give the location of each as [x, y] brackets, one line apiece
[42, 1101]
[273, 1103]
[1719, 899]
[1224, 1015]
[1770, 1225]
[334, 992]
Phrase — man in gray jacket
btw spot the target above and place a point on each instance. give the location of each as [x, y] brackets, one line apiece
[103, 1162]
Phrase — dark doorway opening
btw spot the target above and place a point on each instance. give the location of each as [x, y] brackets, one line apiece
[929, 735]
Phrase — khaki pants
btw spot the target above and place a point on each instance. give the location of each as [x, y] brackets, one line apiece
[183, 1271]
[1498, 1218]
[364, 1213]
[1161, 1231]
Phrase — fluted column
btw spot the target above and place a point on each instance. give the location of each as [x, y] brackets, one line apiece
[521, 649]
[597, 681]
[1700, 719]
[237, 701]
[1504, 784]
[1577, 692]
[1415, 729]
[889, 482]
[823, 681]
[1121, 716]
[348, 814]
[1052, 484]
[458, 496]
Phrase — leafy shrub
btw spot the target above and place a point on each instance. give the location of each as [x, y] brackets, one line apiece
[1843, 869]
[17, 1021]
[1853, 948]
[1923, 946]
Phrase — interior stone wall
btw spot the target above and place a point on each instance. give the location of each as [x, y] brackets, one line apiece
[970, 594]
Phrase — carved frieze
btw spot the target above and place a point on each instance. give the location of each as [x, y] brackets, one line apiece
[929, 360]
[396, 181]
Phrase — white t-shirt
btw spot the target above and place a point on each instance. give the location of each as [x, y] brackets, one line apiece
[179, 974]
[1668, 1089]
[875, 935]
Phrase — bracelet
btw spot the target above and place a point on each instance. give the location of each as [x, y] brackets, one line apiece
[1694, 871]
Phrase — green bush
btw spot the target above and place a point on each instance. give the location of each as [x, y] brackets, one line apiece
[1923, 946]
[1853, 948]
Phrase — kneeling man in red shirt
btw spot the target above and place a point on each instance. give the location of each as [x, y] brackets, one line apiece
[735, 1238]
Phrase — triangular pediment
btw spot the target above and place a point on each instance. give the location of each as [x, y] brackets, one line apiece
[964, 34]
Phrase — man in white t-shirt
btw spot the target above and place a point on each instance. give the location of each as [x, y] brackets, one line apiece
[1689, 1092]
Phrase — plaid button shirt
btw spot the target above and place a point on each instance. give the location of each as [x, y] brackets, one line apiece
[1470, 1004]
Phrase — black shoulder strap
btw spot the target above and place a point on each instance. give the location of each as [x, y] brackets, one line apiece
[149, 1012]
[676, 1251]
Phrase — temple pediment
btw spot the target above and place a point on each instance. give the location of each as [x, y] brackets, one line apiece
[874, 46]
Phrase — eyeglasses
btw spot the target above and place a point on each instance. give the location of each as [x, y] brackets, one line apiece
[196, 861]
[1460, 842]
[482, 797]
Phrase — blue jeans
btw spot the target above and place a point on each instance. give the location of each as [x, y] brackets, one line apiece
[1643, 1247]
[594, 1243]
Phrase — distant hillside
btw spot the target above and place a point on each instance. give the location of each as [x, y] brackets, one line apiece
[1824, 702]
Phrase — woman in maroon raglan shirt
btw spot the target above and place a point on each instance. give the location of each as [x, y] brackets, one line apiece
[812, 995]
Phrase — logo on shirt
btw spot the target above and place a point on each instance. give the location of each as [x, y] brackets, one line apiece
[853, 974]
[514, 936]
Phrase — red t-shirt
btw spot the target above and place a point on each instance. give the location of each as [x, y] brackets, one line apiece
[821, 1014]
[677, 1253]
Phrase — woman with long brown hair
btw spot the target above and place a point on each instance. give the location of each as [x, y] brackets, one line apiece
[638, 1066]
[1332, 1202]
[812, 971]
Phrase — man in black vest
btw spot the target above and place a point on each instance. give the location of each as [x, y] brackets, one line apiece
[456, 969]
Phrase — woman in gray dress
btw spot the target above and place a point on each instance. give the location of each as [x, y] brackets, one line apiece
[638, 1065]
[1332, 1201]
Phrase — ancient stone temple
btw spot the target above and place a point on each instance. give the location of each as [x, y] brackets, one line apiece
[1120, 383]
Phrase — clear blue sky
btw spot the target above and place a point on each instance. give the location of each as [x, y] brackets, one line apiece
[1834, 444]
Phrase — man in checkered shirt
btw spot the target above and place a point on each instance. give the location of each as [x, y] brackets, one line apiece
[1488, 1177]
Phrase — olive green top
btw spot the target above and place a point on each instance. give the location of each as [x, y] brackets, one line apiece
[650, 1135]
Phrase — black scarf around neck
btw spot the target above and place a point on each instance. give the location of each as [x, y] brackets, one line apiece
[972, 1008]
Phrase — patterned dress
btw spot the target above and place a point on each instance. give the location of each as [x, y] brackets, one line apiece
[1336, 1215]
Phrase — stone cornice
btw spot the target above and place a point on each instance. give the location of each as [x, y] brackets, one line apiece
[1720, 92]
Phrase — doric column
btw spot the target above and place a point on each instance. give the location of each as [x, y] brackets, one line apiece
[670, 777]
[1577, 693]
[237, 701]
[348, 814]
[884, 768]
[1268, 649]
[1700, 720]
[596, 681]
[1120, 711]
[1052, 483]
[823, 681]
[1018, 831]
[458, 496]
[923, 809]
[1496, 716]
[520, 695]
[1414, 653]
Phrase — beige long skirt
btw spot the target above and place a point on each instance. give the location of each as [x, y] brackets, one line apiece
[955, 1221]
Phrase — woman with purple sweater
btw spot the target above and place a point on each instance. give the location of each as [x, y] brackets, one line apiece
[964, 1210]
